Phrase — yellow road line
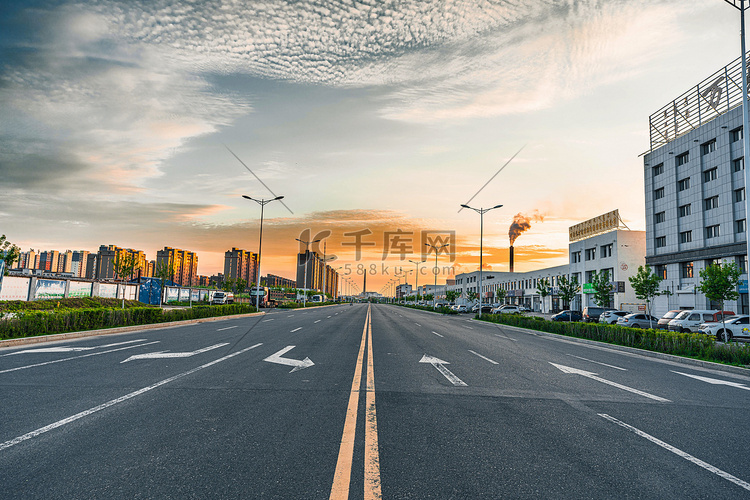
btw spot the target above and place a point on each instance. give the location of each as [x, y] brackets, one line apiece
[372, 458]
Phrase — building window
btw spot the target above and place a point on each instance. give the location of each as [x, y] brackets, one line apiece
[740, 226]
[658, 193]
[739, 195]
[686, 237]
[686, 269]
[590, 276]
[661, 241]
[575, 257]
[682, 159]
[712, 231]
[591, 253]
[684, 210]
[607, 250]
[658, 170]
[658, 218]
[738, 164]
[683, 184]
[736, 134]
[711, 203]
[708, 147]
[742, 263]
[710, 175]
[661, 271]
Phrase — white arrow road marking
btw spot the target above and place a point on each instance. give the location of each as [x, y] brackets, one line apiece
[592, 376]
[598, 363]
[162, 354]
[298, 365]
[72, 349]
[227, 328]
[486, 359]
[680, 453]
[77, 357]
[715, 381]
[440, 365]
[436, 333]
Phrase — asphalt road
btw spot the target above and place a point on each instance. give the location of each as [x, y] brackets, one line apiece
[357, 402]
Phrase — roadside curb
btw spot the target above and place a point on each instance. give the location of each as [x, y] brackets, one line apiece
[634, 350]
[120, 329]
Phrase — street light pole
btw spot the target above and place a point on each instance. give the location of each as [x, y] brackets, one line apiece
[307, 250]
[481, 212]
[262, 204]
[437, 249]
[417, 278]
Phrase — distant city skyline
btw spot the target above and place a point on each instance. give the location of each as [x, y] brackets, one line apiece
[115, 120]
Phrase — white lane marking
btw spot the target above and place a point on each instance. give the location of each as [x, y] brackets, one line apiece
[598, 363]
[486, 359]
[71, 349]
[296, 329]
[298, 365]
[328, 317]
[163, 354]
[113, 402]
[592, 376]
[77, 357]
[714, 381]
[290, 316]
[680, 453]
[317, 321]
[436, 333]
[470, 328]
[417, 324]
[271, 319]
[227, 328]
[440, 365]
[505, 337]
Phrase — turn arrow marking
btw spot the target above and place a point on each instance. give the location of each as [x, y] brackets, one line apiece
[593, 376]
[714, 381]
[162, 354]
[298, 365]
[440, 365]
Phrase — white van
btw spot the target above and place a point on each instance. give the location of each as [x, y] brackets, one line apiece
[689, 321]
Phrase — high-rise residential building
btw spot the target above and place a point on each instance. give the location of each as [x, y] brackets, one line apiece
[241, 264]
[49, 261]
[271, 280]
[92, 264]
[316, 271]
[109, 255]
[78, 263]
[694, 176]
[184, 265]
[65, 264]
[27, 260]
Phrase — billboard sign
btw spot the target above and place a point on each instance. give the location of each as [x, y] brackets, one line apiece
[107, 290]
[79, 289]
[173, 294]
[597, 225]
[15, 288]
[49, 289]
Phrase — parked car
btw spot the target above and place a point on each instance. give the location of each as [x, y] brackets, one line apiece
[507, 309]
[611, 317]
[663, 323]
[462, 308]
[567, 315]
[736, 326]
[591, 314]
[523, 309]
[689, 321]
[637, 320]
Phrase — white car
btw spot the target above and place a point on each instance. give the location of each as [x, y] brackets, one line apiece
[611, 317]
[736, 326]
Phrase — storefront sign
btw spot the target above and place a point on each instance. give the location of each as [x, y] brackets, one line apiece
[743, 286]
[597, 225]
[617, 287]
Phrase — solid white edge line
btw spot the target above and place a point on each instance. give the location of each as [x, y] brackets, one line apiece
[680, 453]
[484, 358]
[85, 413]
[598, 363]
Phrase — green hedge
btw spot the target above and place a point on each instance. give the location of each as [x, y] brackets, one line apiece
[70, 303]
[33, 323]
[440, 310]
[694, 345]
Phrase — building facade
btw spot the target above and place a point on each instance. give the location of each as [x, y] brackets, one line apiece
[184, 265]
[271, 280]
[241, 264]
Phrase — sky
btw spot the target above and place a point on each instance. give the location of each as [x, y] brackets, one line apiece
[374, 119]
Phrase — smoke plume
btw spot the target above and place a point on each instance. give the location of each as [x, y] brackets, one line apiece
[522, 223]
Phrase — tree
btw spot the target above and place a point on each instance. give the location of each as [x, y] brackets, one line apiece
[472, 295]
[719, 283]
[568, 290]
[241, 285]
[163, 270]
[602, 288]
[452, 295]
[125, 266]
[646, 287]
[9, 253]
[542, 288]
[228, 285]
[427, 296]
[501, 295]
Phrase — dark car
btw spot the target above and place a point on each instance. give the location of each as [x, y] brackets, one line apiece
[663, 323]
[567, 315]
[591, 314]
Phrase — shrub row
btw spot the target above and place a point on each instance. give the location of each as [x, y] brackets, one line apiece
[33, 323]
[70, 303]
[441, 310]
[694, 345]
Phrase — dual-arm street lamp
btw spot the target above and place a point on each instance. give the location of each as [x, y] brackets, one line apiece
[437, 251]
[262, 204]
[417, 278]
[481, 212]
[307, 249]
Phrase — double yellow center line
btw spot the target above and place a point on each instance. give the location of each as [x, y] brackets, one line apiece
[342, 476]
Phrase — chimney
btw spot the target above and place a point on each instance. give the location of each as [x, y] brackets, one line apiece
[511, 258]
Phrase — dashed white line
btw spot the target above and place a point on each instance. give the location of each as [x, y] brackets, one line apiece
[317, 321]
[227, 328]
[417, 324]
[266, 320]
[296, 329]
[436, 333]
[598, 363]
[680, 453]
[484, 358]
[470, 328]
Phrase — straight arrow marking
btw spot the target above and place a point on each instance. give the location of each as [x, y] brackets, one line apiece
[71, 349]
[162, 354]
[440, 365]
[714, 381]
[298, 365]
[593, 376]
